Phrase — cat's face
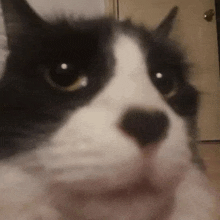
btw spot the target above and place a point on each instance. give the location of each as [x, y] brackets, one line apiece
[100, 104]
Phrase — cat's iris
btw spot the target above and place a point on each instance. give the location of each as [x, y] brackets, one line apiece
[165, 82]
[66, 77]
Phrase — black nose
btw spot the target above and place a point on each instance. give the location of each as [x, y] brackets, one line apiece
[146, 127]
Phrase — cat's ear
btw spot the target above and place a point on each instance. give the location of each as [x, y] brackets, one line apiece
[166, 26]
[18, 18]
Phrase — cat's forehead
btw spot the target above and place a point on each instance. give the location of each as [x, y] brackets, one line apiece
[28, 34]
[92, 34]
[91, 38]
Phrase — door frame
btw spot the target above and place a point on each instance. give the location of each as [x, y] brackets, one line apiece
[112, 8]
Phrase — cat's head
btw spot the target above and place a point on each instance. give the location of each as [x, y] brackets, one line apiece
[100, 103]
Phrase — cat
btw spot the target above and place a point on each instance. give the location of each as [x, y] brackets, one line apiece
[98, 122]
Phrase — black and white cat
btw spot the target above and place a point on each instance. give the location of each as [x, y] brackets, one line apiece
[97, 122]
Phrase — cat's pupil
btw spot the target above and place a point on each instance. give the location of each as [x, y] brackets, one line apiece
[63, 74]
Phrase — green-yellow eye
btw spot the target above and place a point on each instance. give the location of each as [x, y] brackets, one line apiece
[65, 76]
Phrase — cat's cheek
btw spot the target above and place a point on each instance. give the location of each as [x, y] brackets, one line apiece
[91, 154]
[23, 196]
[91, 166]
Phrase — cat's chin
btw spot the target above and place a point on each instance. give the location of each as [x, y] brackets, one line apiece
[97, 184]
[138, 177]
[103, 178]
[134, 200]
[91, 187]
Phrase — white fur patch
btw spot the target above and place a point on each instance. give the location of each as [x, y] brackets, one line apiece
[23, 196]
[90, 151]
[90, 170]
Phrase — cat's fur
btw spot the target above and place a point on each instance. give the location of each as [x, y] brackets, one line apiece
[120, 146]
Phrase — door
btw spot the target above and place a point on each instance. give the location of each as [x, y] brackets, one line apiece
[199, 37]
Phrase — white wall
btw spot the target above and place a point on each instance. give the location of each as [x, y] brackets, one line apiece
[86, 8]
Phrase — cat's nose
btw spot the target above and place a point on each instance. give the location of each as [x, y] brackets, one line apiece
[146, 127]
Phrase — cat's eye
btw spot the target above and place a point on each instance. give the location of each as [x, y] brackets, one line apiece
[65, 76]
[164, 82]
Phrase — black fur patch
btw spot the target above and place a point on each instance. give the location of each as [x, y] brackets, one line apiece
[165, 57]
[31, 109]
